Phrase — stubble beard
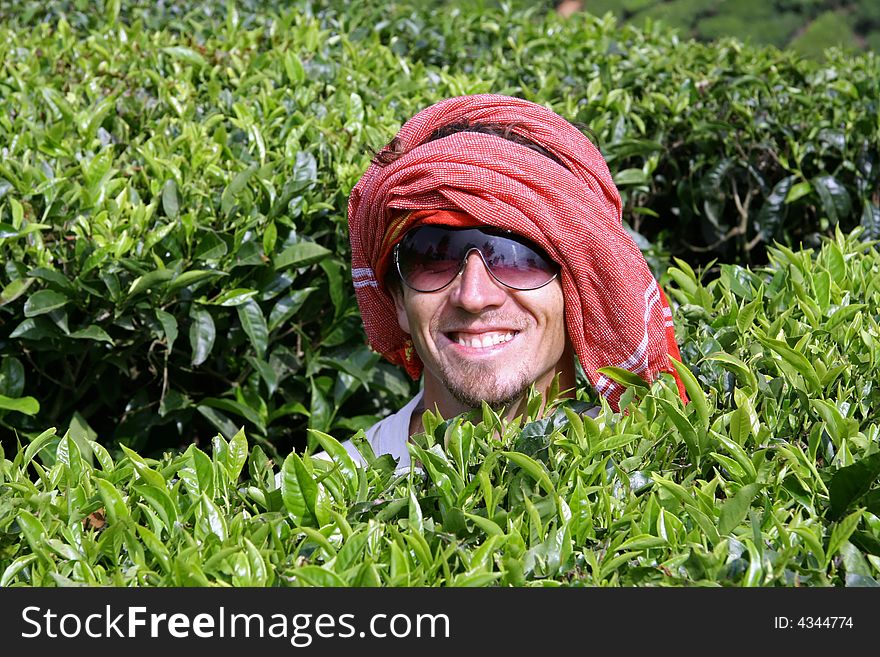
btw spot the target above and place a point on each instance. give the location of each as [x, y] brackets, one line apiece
[473, 383]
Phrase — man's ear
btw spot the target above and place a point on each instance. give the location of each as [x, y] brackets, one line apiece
[397, 295]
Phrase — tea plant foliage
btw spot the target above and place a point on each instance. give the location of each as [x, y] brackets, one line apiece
[174, 178]
[768, 477]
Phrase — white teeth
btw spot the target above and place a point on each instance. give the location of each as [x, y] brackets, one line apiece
[484, 340]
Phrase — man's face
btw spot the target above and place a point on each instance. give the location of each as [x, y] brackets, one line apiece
[480, 340]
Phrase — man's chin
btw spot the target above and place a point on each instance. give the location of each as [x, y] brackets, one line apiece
[494, 393]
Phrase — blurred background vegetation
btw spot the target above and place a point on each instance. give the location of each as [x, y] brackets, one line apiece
[806, 26]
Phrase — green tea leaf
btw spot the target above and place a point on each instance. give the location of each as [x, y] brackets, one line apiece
[317, 576]
[237, 454]
[26, 405]
[288, 306]
[223, 424]
[321, 410]
[535, 470]
[239, 182]
[235, 407]
[416, 520]
[169, 327]
[149, 281]
[44, 301]
[797, 191]
[694, 391]
[93, 332]
[489, 527]
[300, 254]
[254, 324]
[836, 264]
[267, 373]
[191, 277]
[643, 542]
[298, 490]
[685, 428]
[294, 68]
[170, 202]
[795, 359]
[201, 335]
[114, 504]
[624, 377]
[746, 315]
[16, 567]
[849, 484]
[197, 473]
[34, 533]
[11, 377]
[341, 459]
[744, 374]
[739, 455]
[14, 290]
[161, 501]
[841, 534]
[145, 472]
[836, 201]
[235, 297]
[154, 545]
[839, 428]
[213, 519]
[736, 509]
[186, 55]
[38, 444]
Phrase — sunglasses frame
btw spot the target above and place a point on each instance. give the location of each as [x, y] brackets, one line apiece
[464, 259]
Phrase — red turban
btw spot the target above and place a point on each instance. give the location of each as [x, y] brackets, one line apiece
[615, 312]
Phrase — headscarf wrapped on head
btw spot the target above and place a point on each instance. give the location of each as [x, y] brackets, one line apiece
[615, 312]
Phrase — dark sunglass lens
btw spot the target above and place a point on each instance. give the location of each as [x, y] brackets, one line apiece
[427, 258]
[518, 265]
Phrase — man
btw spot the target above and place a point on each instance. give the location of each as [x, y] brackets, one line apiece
[488, 251]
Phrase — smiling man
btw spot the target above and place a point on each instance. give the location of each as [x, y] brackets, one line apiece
[484, 310]
[487, 253]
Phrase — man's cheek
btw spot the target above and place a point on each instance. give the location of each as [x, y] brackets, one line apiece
[403, 321]
[401, 311]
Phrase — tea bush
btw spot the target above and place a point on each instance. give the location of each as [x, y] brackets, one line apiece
[769, 477]
[174, 178]
[829, 29]
[776, 30]
[761, 22]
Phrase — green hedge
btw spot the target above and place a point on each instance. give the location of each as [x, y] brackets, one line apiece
[767, 478]
[173, 188]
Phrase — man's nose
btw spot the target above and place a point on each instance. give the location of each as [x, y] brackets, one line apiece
[476, 289]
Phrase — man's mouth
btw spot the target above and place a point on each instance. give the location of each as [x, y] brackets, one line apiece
[481, 340]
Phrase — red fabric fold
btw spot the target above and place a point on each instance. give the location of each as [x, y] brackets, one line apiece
[615, 312]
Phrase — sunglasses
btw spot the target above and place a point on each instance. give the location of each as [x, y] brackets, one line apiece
[429, 258]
